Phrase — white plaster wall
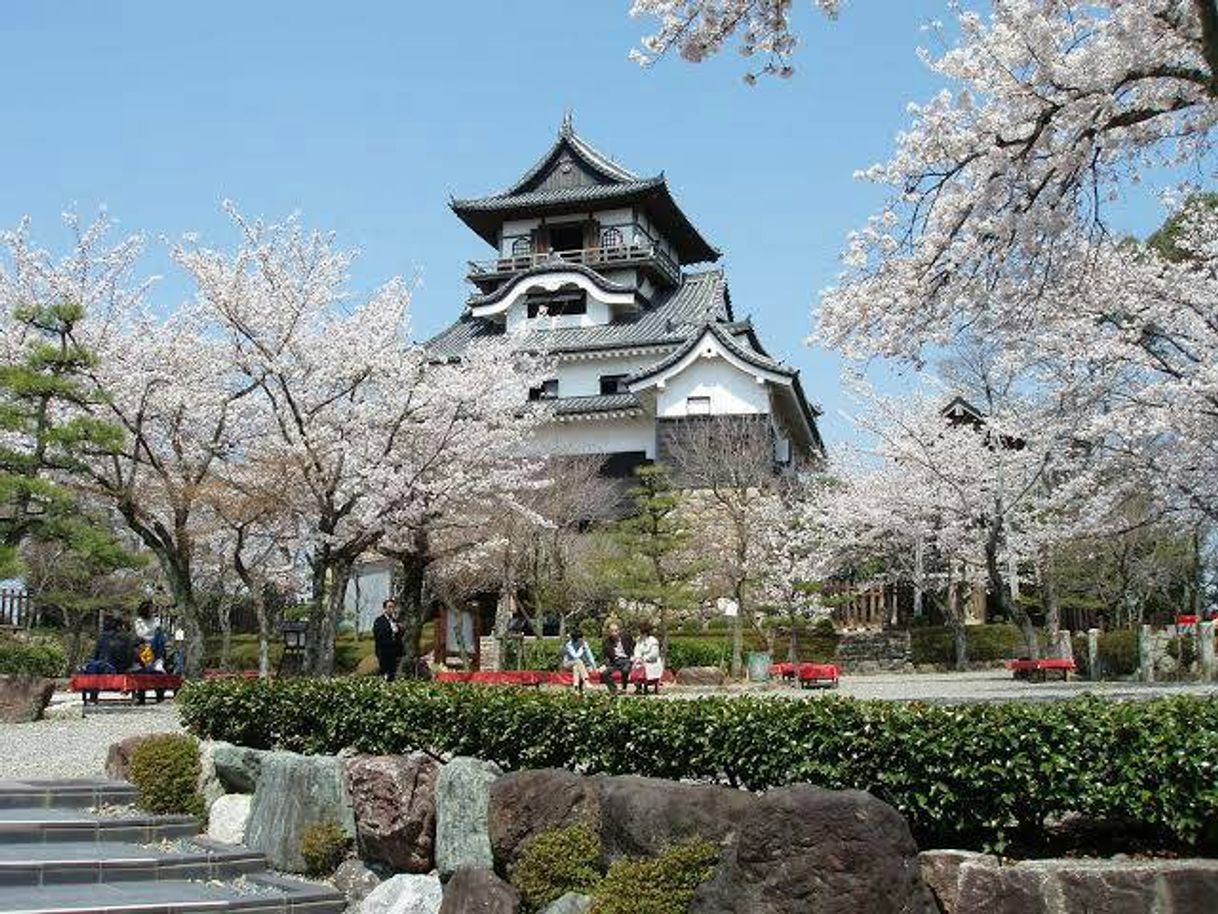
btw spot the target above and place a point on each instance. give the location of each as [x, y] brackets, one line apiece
[596, 436]
[731, 391]
[583, 378]
[366, 592]
[518, 319]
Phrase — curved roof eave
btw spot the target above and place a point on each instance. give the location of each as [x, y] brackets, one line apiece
[554, 266]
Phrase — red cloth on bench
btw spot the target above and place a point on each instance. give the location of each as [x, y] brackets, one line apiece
[124, 682]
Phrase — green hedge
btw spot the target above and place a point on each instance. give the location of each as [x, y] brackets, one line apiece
[35, 658]
[986, 643]
[1118, 654]
[970, 776]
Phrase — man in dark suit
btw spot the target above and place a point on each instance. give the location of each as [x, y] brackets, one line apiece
[619, 649]
[387, 637]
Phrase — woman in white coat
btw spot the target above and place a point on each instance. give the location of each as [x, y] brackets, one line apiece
[647, 656]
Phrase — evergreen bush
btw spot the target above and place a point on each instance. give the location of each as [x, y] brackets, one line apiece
[976, 776]
[656, 885]
[323, 846]
[557, 861]
[165, 772]
[32, 658]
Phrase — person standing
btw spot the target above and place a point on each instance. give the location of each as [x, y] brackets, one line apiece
[619, 653]
[387, 639]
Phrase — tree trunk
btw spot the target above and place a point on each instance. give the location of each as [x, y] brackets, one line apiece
[1006, 606]
[1048, 589]
[412, 612]
[320, 567]
[955, 618]
[738, 632]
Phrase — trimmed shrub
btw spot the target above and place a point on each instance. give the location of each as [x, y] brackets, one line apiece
[557, 861]
[659, 885]
[975, 776]
[1118, 653]
[32, 658]
[986, 644]
[323, 846]
[165, 772]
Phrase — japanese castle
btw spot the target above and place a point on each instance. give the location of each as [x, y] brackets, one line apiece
[602, 270]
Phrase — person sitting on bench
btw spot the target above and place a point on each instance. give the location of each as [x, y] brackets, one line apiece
[577, 659]
[619, 653]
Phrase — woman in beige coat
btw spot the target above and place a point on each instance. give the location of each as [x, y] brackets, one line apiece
[647, 656]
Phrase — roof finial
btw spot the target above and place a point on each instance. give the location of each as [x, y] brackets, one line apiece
[566, 129]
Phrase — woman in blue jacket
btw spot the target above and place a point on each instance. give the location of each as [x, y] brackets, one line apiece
[577, 658]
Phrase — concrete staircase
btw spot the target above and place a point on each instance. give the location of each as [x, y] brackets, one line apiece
[77, 847]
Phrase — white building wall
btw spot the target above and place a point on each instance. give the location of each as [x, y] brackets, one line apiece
[366, 593]
[731, 391]
[582, 378]
[518, 317]
[596, 436]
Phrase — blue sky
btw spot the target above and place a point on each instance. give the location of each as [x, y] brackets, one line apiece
[364, 117]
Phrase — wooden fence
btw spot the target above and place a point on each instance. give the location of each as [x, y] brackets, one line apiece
[15, 609]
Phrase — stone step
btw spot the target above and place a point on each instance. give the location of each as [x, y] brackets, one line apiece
[82, 793]
[260, 894]
[103, 862]
[53, 824]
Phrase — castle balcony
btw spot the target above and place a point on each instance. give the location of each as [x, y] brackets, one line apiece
[487, 274]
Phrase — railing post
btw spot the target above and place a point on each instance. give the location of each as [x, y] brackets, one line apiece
[1205, 650]
[1146, 660]
[1093, 653]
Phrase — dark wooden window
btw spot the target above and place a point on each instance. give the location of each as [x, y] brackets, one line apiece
[522, 246]
[613, 384]
[611, 238]
[567, 236]
[546, 390]
[557, 304]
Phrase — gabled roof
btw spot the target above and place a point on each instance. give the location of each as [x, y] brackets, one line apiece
[605, 183]
[599, 403]
[701, 298]
[553, 266]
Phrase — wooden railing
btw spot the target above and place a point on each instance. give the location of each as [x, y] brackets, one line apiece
[601, 256]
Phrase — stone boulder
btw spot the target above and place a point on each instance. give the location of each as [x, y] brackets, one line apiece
[410, 893]
[24, 698]
[294, 792]
[236, 767]
[571, 903]
[394, 798]
[64, 710]
[356, 880]
[706, 676]
[805, 849]
[523, 804]
[941, 873]
[463, 791]
[640, 817]
[479, 891]
[118, 756]
[228, 817]
[209, 786]
[1097, 886]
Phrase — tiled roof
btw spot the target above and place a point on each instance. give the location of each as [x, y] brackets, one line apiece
[701, 298]
[580, 193]
[730, 343]
[591, 156]
[603, 403]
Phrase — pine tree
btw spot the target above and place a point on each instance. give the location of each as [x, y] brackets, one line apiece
[654, 566]
[47, 428]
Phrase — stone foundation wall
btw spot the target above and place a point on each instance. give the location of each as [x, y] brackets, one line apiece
[874, 652]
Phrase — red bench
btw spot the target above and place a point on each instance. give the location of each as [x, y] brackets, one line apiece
[533, 678]
[809, 675]
[1039, 670]
[132, 687]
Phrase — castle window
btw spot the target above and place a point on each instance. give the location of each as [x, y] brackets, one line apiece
[546, 390]
[613, 384]
[522, 246]
[697, 406]
[611, 238]
[567, 236]
[558, 304]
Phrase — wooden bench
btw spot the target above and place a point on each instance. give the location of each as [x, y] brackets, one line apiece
[809, 675]
[132, 687]
[1039, 670]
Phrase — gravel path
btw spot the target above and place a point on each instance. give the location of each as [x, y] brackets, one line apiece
[76, 748]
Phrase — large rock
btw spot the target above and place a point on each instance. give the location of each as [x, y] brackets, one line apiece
[640, 817]
[1095, 886]
[571, 903]
[941, 873]
[24, 698]
[118, 756]
[463, 791]
[294, 792]
[706, 676]
[236, 767]
[394, 798]
[523, 804]
[805, 849]
[356, 880]
[410, 893]
[210, 788]
[228, 817]
[479, 891]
